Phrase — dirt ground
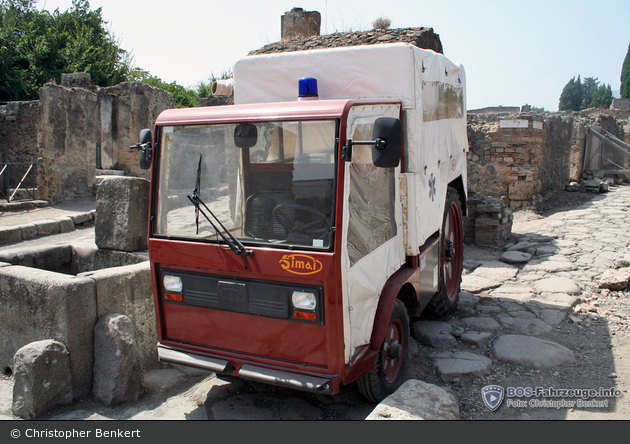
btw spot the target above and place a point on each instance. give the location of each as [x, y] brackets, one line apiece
[601, 344]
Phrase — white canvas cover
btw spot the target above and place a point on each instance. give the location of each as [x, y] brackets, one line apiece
[432, 91]
[431, 88]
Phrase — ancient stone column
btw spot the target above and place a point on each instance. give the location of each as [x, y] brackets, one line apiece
[298, 23]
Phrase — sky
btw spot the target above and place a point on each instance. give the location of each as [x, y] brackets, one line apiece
[514, 52]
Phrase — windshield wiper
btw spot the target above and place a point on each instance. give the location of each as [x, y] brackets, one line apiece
[235, 245]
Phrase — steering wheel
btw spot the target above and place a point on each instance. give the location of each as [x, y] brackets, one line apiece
[279, 213]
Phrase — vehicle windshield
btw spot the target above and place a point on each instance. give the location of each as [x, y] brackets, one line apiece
[266, 183]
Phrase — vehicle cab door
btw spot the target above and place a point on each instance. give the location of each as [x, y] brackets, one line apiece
[372, 235]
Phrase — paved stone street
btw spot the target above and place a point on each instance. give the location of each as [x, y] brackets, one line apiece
[548, 310]
[533, 308]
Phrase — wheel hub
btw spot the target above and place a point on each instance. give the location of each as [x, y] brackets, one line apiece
[394, 351]
[449, 251]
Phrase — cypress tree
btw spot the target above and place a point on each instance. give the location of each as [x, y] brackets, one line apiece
[625, 76]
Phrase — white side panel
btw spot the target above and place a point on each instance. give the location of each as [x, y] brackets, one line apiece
[408, 201]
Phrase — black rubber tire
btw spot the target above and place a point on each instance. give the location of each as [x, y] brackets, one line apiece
[383, 381]
[450, 258]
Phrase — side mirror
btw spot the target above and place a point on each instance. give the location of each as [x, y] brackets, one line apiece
[386, 143]
[387, 137]
[245, 135]
[146, 148]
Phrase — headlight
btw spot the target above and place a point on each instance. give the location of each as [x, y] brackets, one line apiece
[303, 300]
[173, 283]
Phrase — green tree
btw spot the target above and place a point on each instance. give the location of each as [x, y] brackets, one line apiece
[625, 76]
[572, 96]
[578, 95]
[601, 97]
[589, 91]
[38, 46]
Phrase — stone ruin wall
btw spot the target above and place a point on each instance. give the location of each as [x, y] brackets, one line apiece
[522, 165]
[424, 38]
[67, 137]
[76, 129]
[18, 141]
[18, 135]
[135, 106]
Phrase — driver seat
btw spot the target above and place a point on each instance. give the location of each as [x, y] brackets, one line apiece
[259, 221]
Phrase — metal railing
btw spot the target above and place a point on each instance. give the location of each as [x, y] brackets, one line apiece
[8, 171]
[605, 152]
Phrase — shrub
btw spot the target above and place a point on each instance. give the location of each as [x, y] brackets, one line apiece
[382, 23]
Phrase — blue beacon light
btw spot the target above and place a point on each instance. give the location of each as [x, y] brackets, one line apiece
[308, 88]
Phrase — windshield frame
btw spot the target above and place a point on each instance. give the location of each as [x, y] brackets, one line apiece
[216, 238]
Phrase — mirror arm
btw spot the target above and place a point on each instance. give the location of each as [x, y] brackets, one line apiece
[346, 151]
[141, 146]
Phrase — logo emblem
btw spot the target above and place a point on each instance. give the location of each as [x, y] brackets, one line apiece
[453, 164]
[492, 396]
[300, 264]
[432, 189]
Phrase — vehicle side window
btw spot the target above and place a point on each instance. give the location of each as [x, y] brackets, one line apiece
[371, 202]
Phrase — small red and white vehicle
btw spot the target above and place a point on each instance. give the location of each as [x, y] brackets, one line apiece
[294, 234]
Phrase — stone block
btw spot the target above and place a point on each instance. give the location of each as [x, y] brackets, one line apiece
[29, 231]
[76, 79]
[434, 334]
[531, 352]
[128, 290]
[489, 208]
[417, 400]
[10, 234]
[47, 227]
[122, 212]
[66, 224]
[487, 222]
[42, 378]
[117, 368]
[39, 304]
[615, 279]
[82, 218]
[451, 365]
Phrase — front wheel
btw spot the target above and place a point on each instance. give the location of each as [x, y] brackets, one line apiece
[451, 257]
[391, 361]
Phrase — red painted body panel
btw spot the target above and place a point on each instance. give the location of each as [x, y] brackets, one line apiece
[248, 334]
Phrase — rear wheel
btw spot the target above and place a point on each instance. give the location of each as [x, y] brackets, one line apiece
[451, 257]
[392, 358]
